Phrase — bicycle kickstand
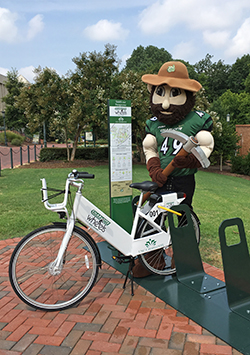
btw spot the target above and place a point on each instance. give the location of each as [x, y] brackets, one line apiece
[130, 271]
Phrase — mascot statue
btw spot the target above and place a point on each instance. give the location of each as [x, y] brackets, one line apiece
[172, 98]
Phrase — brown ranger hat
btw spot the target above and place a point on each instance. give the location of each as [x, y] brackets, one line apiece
[174, 74]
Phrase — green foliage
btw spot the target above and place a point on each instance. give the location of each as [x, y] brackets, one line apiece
[241, 164]
[83, 153]
[102, 141]
[90, 86]
[239, 73]
[132, 88]
[78, 102]
[237, 105]
[17, 142]
[14, 115]
[2, 140]
[148, 59]
[225, 140]
[213, 77]
[11, 136]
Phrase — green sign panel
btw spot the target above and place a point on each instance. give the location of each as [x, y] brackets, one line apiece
[120, 162]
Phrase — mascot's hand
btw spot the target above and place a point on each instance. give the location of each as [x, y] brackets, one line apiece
[190, 161]
[155, 171]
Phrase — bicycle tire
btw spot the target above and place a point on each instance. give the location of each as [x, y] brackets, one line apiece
[160, 261]
[32, 278]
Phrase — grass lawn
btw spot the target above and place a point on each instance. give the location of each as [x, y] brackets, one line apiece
[217, 197]
[220, 197]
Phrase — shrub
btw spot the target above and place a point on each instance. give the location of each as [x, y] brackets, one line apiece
[17, 142]
[241, 164]
[2, 140]
[11, 136]
[102, 141]
[88, 153]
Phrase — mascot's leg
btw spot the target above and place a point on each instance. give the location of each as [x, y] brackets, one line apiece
[176, 184]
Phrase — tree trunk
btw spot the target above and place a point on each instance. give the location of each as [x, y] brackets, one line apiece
[221, 161]
[73, 153]
[67, 145]
[139, 146]
[142, 155]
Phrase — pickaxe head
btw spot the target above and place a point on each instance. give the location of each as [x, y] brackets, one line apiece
[190, 145]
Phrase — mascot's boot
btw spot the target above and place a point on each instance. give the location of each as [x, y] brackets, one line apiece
[139, 270]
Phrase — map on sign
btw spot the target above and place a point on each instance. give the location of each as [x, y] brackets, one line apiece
[120, 135]
[120, 143]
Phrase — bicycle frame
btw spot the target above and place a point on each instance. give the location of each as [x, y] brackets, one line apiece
[94, 218]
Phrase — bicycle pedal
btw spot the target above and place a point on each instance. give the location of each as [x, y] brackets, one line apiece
[121, 259]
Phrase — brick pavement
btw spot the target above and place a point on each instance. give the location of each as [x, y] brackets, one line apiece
[108, 321]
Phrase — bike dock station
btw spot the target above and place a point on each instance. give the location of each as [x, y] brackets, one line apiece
[221, 308]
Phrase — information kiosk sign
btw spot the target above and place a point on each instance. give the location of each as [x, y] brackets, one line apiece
[120, 162]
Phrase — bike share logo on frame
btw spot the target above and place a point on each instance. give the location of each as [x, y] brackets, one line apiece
[98, 221]
[150, 243]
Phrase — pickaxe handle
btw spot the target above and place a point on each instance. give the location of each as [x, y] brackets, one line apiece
[167, 171]
[169, 168]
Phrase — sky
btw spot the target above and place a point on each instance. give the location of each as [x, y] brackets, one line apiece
[50, 33]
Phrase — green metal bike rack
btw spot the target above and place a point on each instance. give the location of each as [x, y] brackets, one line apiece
[218, 307]
[236, 264]
[189, 267]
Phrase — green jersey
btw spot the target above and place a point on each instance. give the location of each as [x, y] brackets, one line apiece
[168, 147]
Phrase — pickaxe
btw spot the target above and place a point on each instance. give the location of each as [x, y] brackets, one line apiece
[190, 145]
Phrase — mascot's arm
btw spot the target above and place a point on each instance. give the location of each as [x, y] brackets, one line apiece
[152, 160]
[206, 142]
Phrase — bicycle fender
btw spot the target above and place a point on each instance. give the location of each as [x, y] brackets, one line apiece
[80, 231]
[196, 217]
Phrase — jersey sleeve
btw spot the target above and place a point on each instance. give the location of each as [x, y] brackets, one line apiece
[208, 123]
[150, 126]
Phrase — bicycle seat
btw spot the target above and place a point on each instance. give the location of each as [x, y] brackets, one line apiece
[145, 186]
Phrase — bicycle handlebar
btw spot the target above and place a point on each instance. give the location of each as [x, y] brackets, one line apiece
[82, 175]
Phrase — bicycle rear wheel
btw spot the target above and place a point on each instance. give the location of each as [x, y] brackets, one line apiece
[160, 261]
[33, 278]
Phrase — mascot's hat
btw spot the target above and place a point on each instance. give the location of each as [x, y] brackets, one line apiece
[174, 74]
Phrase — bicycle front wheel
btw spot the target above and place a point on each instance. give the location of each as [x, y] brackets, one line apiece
[31, 268]
[161, 261]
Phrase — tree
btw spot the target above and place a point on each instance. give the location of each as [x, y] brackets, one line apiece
[239, 73]
[47, 103]
[148, 59]
[91, 84]
[14, 114]
[237, 105]
[62, 102]
[201, 101]
[132, 88]
[213, 76]
[225, 140]
[247, 84]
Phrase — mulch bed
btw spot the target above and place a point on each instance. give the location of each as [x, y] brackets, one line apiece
[63, 164]
[226, 170]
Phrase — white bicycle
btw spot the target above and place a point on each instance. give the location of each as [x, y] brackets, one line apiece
[55, 267]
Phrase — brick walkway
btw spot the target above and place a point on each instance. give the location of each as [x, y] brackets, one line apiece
[108, 321]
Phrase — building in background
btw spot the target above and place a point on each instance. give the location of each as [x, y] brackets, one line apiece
[3, 91]
[243, 131]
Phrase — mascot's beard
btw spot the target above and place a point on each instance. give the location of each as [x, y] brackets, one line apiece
[178, 112]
